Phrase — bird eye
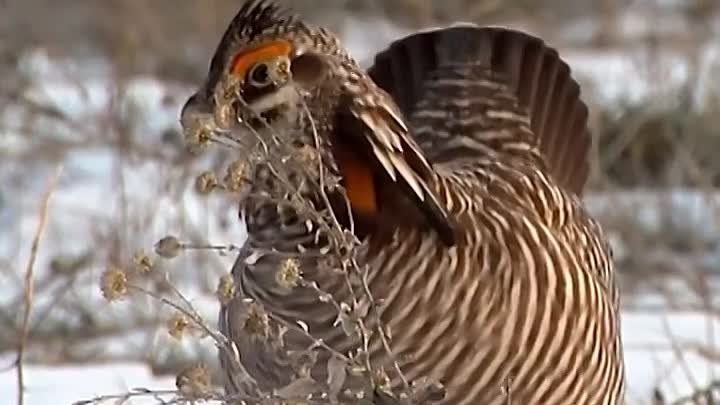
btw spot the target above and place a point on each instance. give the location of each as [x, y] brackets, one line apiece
[259, 75]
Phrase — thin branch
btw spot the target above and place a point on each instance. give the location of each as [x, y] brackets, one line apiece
[680, 357]
[43, 215]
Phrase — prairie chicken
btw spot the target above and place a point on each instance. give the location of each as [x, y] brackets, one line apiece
[463, 155]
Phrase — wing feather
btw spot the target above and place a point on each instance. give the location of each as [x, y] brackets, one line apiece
[384, 160]
[383, 127]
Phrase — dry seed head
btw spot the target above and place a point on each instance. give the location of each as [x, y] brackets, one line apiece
[199, 134]
[257, 322]
[225, 95]
[307, 154]
[178, 325]
[309, 158]
[168, 247]
[226, 289]
[142, 262]
[235, 175]
[205, 183]
[288, 274]
[225, 115]
[194, 380]
[114, 284]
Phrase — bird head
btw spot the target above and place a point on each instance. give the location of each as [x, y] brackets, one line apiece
[273, 74]
[267, 65]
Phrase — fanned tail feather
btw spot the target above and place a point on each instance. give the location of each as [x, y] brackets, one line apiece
[534, 72]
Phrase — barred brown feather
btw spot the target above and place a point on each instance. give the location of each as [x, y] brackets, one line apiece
[525, 300]
[532, 71]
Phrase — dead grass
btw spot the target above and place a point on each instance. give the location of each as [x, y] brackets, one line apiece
[28, 283]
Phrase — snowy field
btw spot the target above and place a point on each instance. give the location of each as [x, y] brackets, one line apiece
[661, 349]
[651, 358]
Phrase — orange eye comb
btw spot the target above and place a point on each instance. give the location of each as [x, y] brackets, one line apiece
[244, 60]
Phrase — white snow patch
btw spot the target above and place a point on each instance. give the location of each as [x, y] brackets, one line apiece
[649, 355]
[63, 385]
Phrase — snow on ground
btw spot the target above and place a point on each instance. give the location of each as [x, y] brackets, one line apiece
[86, 197]
[650, 358]
[688, 214]
[48, 385]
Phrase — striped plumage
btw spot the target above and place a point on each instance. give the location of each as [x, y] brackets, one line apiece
[491, 272]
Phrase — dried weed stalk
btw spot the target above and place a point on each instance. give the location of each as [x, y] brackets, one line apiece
[276, 154]
[29, 285]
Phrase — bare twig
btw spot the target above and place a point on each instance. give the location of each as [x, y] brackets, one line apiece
[43, 215]
[677, 350]
[190, 312]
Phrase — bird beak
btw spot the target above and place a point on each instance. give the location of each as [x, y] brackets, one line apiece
[199, 121]
[195, 107]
